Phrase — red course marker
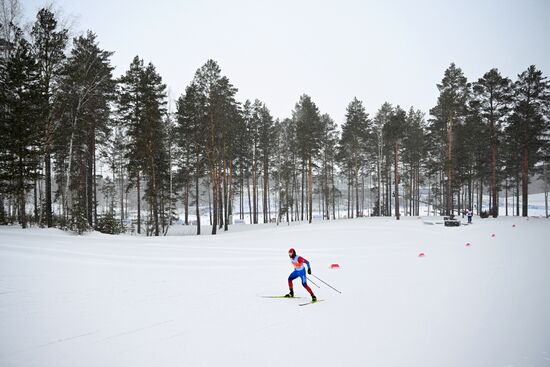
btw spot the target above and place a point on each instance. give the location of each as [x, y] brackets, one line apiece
[421, 254]
[334, 266]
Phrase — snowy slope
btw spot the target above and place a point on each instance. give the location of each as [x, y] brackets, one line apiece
[102, 300]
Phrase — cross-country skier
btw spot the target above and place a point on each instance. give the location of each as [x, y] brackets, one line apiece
[470, 214]
[299, 271]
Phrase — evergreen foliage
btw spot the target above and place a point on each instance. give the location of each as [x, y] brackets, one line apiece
[19, 132]
[83, 110]
[492, 97]
[109, 224]
[63, 115]
[49, 43]
[450, 112]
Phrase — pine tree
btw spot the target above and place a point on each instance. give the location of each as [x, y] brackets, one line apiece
[413, 157]
[83, 109]
[253, 121]
[49, 41]
[153, 134]
[376, 149]
[191, 142]
[353, 142]
[528, 123]
[492, 98]
[265, 151]
[393, 132]
[221, 110]
[242, 154]
[329, 145]
[472, 163]
[19, 132]
[308, 137]
[451, 109]
[141, 105]
[130, 106]
[287, 168]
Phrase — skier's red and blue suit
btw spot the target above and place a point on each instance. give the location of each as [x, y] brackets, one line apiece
[299, 271]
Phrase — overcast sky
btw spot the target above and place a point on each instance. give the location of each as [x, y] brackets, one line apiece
[377, 51]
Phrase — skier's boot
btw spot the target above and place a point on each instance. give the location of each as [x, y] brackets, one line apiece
[313, 298]
[290, 294]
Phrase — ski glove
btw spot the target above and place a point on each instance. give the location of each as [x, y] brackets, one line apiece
[309, 271]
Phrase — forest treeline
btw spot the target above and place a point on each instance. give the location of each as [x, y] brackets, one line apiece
[63, 114]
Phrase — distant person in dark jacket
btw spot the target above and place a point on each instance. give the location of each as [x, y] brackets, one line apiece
[470, 214]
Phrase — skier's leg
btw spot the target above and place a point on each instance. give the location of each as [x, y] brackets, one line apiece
[304, 284]
[291, 277]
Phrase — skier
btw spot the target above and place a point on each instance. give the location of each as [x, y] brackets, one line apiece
[470, 215]
[299, 271]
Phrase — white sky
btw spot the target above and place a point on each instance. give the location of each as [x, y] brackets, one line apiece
[378, 51]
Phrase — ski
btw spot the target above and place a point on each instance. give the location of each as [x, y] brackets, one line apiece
[280, 297]
[311, 302]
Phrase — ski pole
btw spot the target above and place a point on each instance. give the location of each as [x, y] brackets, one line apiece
[312, 282]
[316, 277]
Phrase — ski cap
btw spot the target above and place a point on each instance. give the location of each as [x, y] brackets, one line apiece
[291, 250]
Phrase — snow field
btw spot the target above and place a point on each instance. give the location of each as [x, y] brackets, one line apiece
[102, 300]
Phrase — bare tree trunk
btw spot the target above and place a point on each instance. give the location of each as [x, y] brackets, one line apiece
[266, 190]
[186, 194]
[517, 193]
[362, 194]
[525, 182]
[94, 181]
[379, 178]
[21, 194]
[545, 175]
[138, 204]
[214, 200]
[388, 185]
[356, 174]
[121, 193]
[303, 186]
[48, 179]
[494, 192]
[349, 194]
[154, 198]
[310, 189]
[221, 183]
[36, 217]
[417, 190]
[396, 178]
[449, 195]
[506, 196]
[241, 195]
[197, 196]
[255, 193]
[90, 186]
[226, 189]
[288, 204]
[249, 202]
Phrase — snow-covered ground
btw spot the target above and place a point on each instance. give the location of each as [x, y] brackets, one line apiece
[100, 300]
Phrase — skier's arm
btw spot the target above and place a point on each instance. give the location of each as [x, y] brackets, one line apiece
[302, 260]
